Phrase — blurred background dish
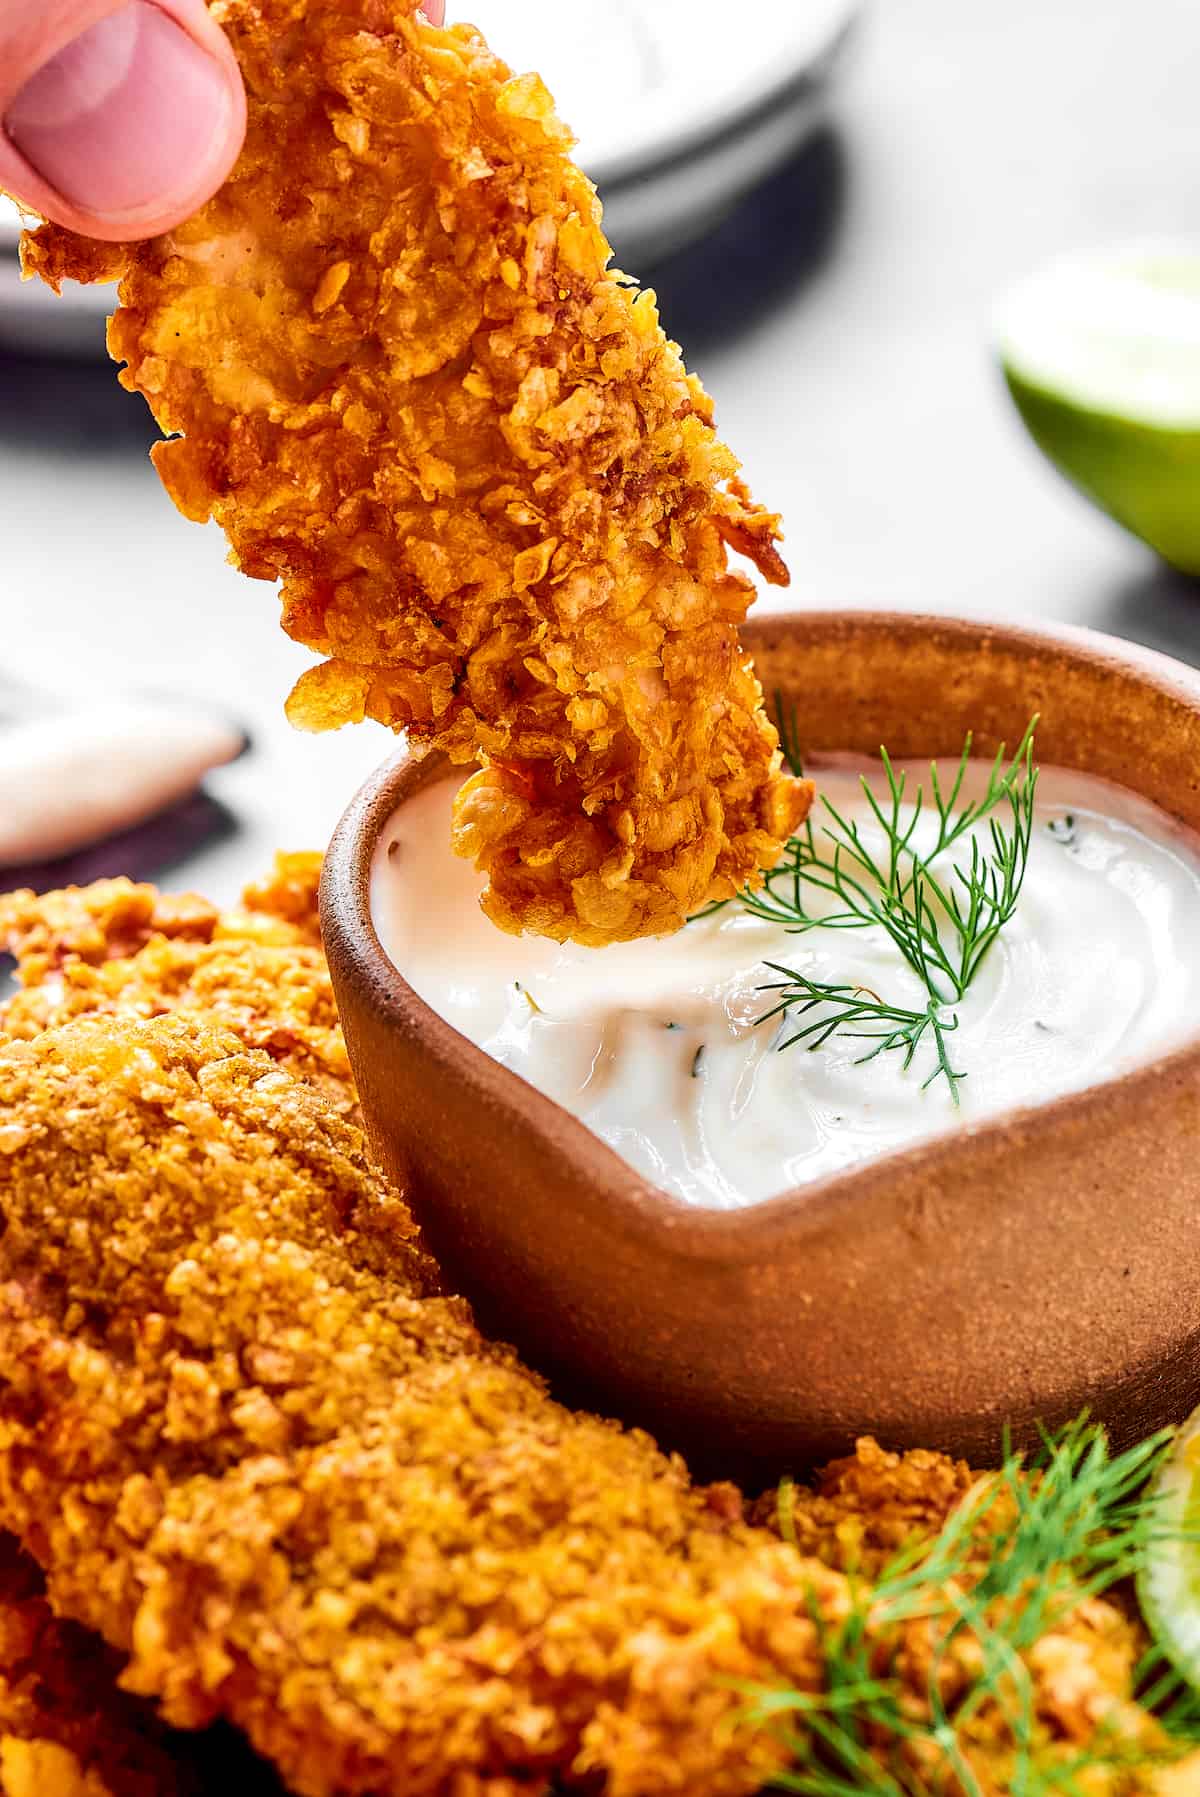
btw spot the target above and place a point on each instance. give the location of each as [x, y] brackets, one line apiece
[678, 112]
[840, 314]
[30, 315]
[680, 106]
[75, 774]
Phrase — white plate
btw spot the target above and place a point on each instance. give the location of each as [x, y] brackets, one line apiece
[641, 81]
[680, 107]
[32, 320]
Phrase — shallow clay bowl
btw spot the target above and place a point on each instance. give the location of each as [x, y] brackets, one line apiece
[1014, 1272]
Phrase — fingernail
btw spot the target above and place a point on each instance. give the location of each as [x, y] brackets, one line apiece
[127, 115]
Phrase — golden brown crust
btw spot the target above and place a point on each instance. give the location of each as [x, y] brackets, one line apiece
[408, 387]
[109, 920]
[66, 1730]
[865, 1508]
[252, 1445]
[316, 1500]
[289, 893]
[117, 947]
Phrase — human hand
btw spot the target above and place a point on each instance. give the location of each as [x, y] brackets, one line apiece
[120, 117]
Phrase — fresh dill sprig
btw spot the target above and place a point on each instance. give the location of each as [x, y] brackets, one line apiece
[840, 1006]
[1026, 1547]
[941, 920]
[895, 887]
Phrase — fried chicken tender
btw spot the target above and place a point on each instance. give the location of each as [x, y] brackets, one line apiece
[409, 388]
[119, 947]
[301, 1492]
[66, 1730]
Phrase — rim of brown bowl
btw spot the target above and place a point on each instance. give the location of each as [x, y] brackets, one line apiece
[1008, 1275]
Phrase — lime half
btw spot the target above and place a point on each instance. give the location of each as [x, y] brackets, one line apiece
[1169, 1578]
[1102, 356]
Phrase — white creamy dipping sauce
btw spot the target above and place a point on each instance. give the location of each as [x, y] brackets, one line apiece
[655, 1046]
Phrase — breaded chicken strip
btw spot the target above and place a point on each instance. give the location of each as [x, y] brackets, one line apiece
[301, 1493]
[119, 947]
[66, 1730]
[408, 386]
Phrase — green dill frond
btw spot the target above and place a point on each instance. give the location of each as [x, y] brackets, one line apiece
[941, 921]
[1003, 782]
[1013, 1562]
[888, 1027]
[1160, 1688]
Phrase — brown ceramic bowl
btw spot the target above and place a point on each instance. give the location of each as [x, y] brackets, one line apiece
[1016, 1272]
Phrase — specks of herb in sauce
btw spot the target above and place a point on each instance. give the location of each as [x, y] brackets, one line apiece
[751, 1123]
[671, 1026]
[1063, 828]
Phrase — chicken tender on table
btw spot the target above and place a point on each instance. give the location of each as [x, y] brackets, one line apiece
[408, 386]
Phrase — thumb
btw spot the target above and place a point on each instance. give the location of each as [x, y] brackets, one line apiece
[120, 117]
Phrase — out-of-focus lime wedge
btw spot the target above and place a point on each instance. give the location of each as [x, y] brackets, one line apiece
[1102, 356]
[1169, 1577]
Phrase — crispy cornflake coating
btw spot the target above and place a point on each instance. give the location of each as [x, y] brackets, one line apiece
[865, 1509]
[252, 1450]
[66, 1730]
[409, 388]
[255, 1448]
[115, 946]
[302, 1494]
